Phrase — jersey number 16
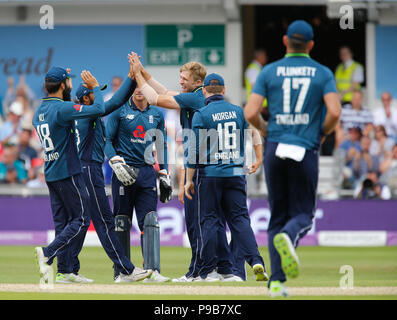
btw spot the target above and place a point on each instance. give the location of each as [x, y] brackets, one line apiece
[227, 136]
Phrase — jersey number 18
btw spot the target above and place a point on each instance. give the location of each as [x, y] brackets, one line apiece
[43, 131]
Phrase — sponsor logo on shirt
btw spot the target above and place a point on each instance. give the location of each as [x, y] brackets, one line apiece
[139, 132]
[130, 117]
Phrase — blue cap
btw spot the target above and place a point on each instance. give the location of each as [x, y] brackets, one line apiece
[213, 79]
[300, 30]
[57, 74]
[83, 91]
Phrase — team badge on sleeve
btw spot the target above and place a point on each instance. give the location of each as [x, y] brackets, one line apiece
[78, 107]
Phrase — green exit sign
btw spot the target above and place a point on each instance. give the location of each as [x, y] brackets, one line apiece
[178, 44]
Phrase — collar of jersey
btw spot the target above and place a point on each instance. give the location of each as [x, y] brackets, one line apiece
[134, 107]
[52, 98]
[197, 89]
[215, 97]
[289, 55]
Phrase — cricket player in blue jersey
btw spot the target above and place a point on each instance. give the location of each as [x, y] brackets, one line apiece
[188, 102]
[130, 133]
[90, 134]
[304, 107]
[217, 153]
[54, 124]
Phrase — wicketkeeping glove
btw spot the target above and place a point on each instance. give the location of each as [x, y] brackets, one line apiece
[126, 174]
[165, 186]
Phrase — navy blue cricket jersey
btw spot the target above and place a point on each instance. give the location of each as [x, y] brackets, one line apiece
[218, 146]
[54, 123]
[189, 103]
[90, 133]
[294, 87]
[130, 133]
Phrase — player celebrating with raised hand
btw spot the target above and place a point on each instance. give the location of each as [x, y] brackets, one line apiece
[217, 153]
[90, 135]
[130, 133]
[54, 123]
[190, 100]
[304, 107]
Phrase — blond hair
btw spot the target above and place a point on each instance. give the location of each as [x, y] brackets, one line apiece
[196, 69]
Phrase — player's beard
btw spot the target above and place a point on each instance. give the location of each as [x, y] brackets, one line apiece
[66, 94]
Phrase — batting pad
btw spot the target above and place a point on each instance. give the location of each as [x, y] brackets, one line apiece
[151, 242]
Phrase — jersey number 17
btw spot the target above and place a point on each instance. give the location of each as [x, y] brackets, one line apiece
[304, 84]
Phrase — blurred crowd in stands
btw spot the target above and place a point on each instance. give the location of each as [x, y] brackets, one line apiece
[365, 142]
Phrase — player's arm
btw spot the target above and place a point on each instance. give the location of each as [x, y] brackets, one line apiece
[157, 86]
[71, 111]
[255, 103]
[121, 96]
[125, 91]
[332, 103]
[111, 132]
[162, 157]
[193, 154]
[161, 100]
[253, 115]
[161, 145]
[334, 110]
[126, 174]
[181, 189]
[257, 145]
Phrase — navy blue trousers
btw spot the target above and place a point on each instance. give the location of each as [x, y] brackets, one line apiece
[292, 188]
[238, 261]
[225, 196]
[103, 218]
[193, 232]
[193, 229]
[70, 209]
[142, 195]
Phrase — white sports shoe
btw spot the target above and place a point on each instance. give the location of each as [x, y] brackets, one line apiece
[211, 277]
[65, 278]
[231, 278]
[71, 278]
[183, 279]
[79, 278]
[156, 277]
[44, 269]
[137, 275]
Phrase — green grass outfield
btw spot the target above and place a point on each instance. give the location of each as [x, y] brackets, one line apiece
[320, 267]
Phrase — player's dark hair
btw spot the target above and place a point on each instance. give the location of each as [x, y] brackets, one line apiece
[297, 45]
[52, 87]
[214, 89]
